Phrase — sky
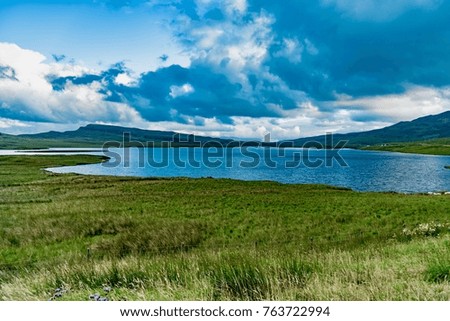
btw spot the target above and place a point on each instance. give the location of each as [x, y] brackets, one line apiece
[229, 68]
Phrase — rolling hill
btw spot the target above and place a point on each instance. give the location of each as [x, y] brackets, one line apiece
[94, 135]
[98, 134]
[434, 129]
[421, 129]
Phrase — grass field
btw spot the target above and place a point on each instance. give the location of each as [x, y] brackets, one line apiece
[15, 142]
[439, 146]
[213, 239]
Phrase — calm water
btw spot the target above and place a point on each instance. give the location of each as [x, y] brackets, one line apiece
[366, 170]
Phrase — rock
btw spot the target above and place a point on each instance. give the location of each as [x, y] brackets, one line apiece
[94, 296]
[107, 289]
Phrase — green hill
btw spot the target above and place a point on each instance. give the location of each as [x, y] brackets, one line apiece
[423, 135]
[438, 146]
[421, 129]
[99, 134]
[96, 135]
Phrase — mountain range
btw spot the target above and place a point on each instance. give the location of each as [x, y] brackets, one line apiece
[94, 135]
[424, 128]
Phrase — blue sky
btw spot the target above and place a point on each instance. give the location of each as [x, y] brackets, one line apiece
[231, 68]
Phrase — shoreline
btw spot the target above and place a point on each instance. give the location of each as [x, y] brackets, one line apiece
[53, 170]
[339, 187]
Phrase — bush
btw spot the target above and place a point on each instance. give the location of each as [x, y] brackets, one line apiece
[438, 272]
[432, 229]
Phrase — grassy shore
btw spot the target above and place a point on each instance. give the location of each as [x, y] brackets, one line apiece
[213, 239]
[439, 146]
[15, 142]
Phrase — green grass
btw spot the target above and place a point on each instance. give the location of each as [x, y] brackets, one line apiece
[439, 146]
[213, 239]
[15, 142]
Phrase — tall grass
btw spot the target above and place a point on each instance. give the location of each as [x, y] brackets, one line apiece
[206, 239]
[395, 272]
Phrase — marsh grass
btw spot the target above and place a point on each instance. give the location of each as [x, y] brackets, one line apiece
[395, 272]
[207, 239]
[159, 238]
[438, 146]
[439, 272]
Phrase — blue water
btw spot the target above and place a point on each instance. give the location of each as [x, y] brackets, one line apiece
[362, 170]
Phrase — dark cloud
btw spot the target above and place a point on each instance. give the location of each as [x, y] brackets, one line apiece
[186, 7]
[367, 116]
[19, 111]
[361, 57]
[164, 58]
[108, 76]
[214, 14]
[7, 73]
[213, 95]
[351, 52]
[339, 52]
[58, 58]
[60, 83]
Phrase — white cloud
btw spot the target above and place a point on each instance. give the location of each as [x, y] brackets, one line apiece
[417, 101]
[237, 46]
[305, 120]
[15, 127]
[8, 123]
[236, 6]
[31, 96]
[291, 49]
[207, 37]
[310, 48]
[232, 46]
[177, 91]
[125, 79]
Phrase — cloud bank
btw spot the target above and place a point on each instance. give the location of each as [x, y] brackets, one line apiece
[292, 68]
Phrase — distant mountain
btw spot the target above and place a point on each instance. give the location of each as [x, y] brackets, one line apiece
[420, 129]
[97, 135]
[424, 128]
